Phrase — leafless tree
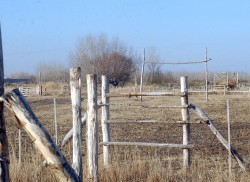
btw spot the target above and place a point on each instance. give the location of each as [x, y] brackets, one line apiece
[97, 54]
[116, 66]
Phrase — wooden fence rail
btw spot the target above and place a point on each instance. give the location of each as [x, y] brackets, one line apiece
[144, 144]
[144, 94]
[122, 121]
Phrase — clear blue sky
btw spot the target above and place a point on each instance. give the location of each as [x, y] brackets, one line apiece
[41, 30]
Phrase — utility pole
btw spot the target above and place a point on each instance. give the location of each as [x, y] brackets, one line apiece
[142, 71]
[206, 77]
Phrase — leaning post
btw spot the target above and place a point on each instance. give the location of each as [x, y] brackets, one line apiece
[4, 152]
[186, 125]
[41, 139]
[105, 117]
[92, 127]
[75, 87]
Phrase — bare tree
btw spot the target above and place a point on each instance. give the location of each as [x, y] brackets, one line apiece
[116, 66]
[97, 54]
[87, 50]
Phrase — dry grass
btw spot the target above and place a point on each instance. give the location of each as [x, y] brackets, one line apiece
[209, 158]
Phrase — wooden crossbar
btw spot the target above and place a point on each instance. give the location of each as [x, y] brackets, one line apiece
[149, 121]
[184, 106]
[187, 62]
[219, 91]
[144, 144]
[147, 106]
[144, 94]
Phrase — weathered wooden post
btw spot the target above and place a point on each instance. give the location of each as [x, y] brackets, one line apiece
[39, 86]
[55, 121]
[229, 141]
[92, 127]
[41, 138]
[227, 81]
[206, 77]
[237, 79]
[19, 147]
[105, 117]
[186, 124]
[142, 72]
[4, 152]
[75, 87]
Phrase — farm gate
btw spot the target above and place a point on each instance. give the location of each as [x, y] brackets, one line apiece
[32, 90]
[185, 121]
[225, 81]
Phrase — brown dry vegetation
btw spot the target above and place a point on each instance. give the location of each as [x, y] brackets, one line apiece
[209, 157]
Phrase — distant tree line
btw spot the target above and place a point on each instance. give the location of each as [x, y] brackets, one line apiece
[23, 75]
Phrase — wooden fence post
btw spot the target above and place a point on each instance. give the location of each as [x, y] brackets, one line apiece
[19, 147]
[92, 127]
[186, 125]
[55, 124]
[142, 72]
[229, 141]
[75, 87]
[40, 137]
[4, 152]
[206, 76]
[105, 117]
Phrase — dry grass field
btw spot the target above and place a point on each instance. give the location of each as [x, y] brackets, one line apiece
[209, 157]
